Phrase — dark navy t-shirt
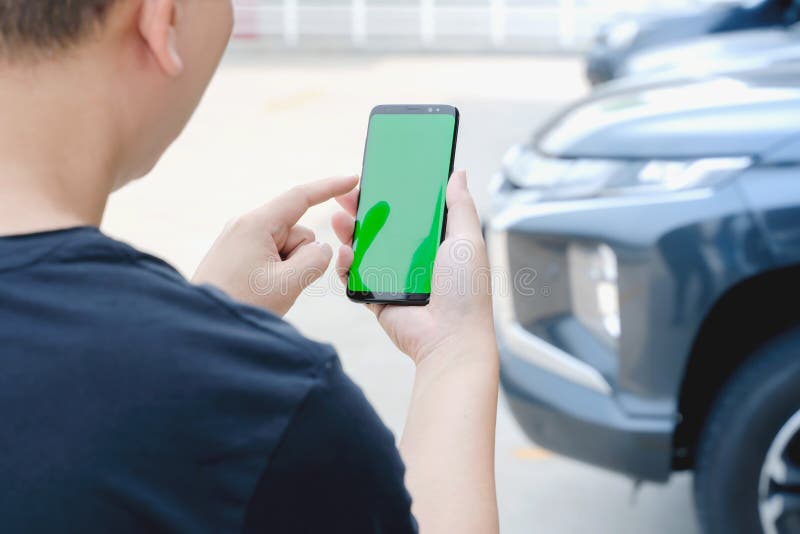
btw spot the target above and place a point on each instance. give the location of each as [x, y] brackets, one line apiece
[134, 401]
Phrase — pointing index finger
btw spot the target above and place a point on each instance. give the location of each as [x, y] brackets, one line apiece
[288, 208]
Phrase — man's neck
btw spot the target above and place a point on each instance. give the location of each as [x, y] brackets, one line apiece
[57, 155]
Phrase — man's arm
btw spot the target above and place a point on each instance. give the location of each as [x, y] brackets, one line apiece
[448, 444]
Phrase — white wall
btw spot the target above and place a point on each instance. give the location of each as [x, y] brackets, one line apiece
[433, 24]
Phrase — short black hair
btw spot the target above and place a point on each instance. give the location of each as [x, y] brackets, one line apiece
[47, 24]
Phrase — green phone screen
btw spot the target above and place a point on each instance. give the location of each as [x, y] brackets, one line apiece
[402, 204]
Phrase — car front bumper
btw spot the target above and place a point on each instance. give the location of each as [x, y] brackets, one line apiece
[560, 390]
[582, 423]
[609, 402]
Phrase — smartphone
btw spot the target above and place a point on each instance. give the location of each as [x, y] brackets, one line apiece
[402, 212]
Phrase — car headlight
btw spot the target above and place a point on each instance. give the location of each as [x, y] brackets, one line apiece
[662, 176]
[622, 34]
[559, 178]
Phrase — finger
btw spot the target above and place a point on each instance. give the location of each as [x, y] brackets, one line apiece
[306, 266]
[343, 226]
[286, 210]
[349, 201]
[298, 236]
[462, 215]
[343, 263]
[377, 309]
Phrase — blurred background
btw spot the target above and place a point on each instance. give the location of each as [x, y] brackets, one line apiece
[583, 121]
[436, 25]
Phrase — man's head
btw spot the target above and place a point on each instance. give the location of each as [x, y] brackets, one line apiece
[41, 24]
[140, 66]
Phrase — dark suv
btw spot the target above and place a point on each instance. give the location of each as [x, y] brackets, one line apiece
[651, 241]
[617, 41]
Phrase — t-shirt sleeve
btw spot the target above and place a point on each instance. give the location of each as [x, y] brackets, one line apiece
[337, 469]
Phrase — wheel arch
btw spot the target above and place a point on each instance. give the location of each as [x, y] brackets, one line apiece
[743, 318]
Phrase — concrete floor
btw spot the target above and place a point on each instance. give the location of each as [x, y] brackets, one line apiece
[270, 122]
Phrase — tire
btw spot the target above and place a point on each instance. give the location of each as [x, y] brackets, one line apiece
[757, 404]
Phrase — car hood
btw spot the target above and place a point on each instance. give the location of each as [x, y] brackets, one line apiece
[737, 115]
[734, 51]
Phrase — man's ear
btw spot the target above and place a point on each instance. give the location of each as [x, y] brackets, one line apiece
[157, 25]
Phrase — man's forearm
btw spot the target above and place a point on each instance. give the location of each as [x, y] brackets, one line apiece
[448, 443]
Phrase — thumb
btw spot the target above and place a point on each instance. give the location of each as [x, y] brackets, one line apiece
[305, 266]
[462, 215]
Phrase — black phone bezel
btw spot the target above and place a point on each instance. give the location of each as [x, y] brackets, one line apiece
[407, 299]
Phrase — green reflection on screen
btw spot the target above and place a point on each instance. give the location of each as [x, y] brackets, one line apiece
[402, 205]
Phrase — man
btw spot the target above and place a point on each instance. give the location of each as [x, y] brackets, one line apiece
[133, 400]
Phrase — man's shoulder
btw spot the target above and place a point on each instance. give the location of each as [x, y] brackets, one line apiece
[227, 375]
[138, 303]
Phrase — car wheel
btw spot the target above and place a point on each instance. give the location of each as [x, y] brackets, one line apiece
[747, 468]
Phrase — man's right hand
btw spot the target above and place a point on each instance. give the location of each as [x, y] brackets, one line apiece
[265, 258]
[461, 307]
